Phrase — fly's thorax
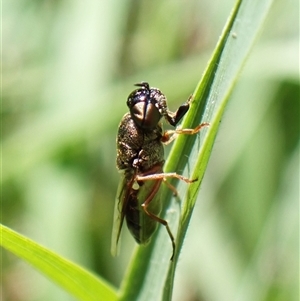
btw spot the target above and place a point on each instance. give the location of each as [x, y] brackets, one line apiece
[152, 151]
[129, 132]
[138, 148]
[129, 142]
[150, 155]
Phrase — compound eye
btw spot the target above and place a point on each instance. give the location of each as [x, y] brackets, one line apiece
[137, 96]
[145, 115]
[138, 112]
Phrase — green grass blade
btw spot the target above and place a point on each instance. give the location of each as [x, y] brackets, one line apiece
[151, 274]
[217, 84]
[74, 279]
[238, 40]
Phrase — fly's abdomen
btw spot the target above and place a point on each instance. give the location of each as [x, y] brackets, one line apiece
[141, 225]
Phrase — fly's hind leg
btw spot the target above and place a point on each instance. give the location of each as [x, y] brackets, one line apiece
[159, 177]
[156, 218]
[163, 222]
[171, 187]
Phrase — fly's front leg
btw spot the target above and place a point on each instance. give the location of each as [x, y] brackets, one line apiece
[171, 135]
[174, 118]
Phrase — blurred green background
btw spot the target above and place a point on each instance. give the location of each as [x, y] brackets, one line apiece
[67, 69]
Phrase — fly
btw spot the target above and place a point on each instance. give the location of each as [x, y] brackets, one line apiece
[140, 159]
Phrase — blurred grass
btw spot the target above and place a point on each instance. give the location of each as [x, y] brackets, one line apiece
[77, 281]
[67, 70]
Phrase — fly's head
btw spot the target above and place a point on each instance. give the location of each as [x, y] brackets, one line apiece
[148, 105]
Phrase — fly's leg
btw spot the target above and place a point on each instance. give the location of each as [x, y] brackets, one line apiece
[156, 173]
[159, 177]
[151, 175]
[163, 176]
[171, 135]
[156, 218]
[174, 118]
[171, 187]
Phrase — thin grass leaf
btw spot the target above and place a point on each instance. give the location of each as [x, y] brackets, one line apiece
[226, 64]
[147, 277]
[74, 279]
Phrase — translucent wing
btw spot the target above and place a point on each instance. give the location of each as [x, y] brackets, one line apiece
[119, 212]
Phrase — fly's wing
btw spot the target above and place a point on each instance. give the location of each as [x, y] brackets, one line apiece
[119, 212]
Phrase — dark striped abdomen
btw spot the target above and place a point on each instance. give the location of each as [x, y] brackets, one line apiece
[139, 223]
